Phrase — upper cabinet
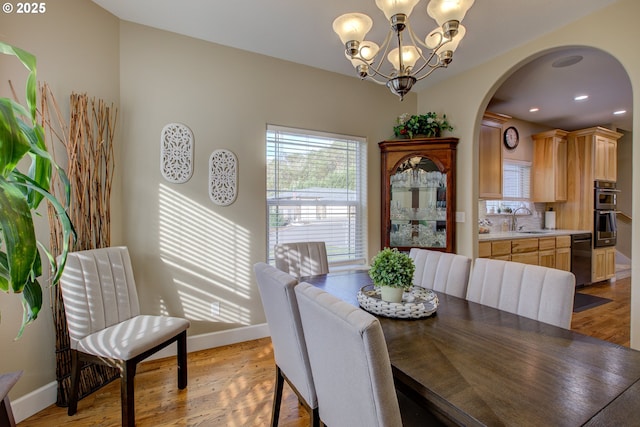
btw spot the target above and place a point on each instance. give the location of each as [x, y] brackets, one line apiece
[418, 193]
[600, 146]
[490, 156]
[549, 169]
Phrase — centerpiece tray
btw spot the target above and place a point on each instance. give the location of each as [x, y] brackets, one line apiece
[416, 303]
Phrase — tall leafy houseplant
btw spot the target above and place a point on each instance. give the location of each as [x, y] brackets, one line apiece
[21, 194]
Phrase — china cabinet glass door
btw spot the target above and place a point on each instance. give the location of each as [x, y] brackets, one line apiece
[418, 205]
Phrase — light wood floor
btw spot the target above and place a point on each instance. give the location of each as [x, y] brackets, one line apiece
[233, 385]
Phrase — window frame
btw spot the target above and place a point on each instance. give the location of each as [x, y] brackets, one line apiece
[354, 202]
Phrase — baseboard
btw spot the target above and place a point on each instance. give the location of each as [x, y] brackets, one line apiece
[37, 400]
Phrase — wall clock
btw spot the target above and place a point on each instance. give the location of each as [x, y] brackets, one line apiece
[511, 138]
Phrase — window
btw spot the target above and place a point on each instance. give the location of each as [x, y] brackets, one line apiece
[316, 191]
[516, 187]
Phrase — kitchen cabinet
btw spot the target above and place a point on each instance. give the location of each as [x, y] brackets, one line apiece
[606, 158]
[418, 193]
[552, 251]
[563, 253]
[549, 168]
[591, 155]
[547, 252]
[603, 264]
[490, 156]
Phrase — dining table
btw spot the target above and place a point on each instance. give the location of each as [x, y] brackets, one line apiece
[475, 365]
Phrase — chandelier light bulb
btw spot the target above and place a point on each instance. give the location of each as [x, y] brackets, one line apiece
[448, 10]
[453, 44]
[366, 55]
[395, 7]
[410, 55]
[352, 27]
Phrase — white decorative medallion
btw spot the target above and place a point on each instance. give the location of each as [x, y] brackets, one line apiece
[176, 153]
[223, 177]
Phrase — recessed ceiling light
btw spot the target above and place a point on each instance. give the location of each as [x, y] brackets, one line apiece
[566, 61]
[619, 112]
[581, 97]
[534, 110]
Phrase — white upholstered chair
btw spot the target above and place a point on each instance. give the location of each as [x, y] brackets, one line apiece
[540, 293]
[302, 258]
[441, 271]
[289, 347]
[350, 365]
[106, 327]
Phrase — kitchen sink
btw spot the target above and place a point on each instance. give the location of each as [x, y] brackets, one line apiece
[534, 232]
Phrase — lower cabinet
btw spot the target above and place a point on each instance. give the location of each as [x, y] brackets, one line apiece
[553, 252]
[603, 264]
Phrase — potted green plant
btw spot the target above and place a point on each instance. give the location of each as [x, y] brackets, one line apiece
[428, 125]
[392, 271]
[21, 194]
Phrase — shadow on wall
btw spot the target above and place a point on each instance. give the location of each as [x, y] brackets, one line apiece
[207, 256]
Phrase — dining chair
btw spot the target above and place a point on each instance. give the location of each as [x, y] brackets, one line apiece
[105, 325]
[350, 365]
[289, 347]
[302, 258]
[536, 292]
[441, 271]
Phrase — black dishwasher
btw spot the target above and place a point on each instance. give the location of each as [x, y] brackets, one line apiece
[581, 258]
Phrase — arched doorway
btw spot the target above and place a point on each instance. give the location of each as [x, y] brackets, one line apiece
[540, 96]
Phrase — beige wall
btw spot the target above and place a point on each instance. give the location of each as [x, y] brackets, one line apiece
[189, 253]
[76, 46]
[626, 196]
[465, 97]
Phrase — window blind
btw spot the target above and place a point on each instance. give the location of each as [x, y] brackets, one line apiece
[516, 180]
[316, 191]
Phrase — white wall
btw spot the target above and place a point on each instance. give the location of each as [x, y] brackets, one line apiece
[465, 97]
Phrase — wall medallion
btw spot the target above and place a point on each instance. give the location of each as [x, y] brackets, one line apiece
[223, 177]
[176, 153]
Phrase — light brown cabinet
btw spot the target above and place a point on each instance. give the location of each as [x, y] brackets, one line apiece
[606, 158]
[603, 264]
[418, 193]
[490, 156]
[563, 253]
[591, 155]
[549, 169]
[553, 251]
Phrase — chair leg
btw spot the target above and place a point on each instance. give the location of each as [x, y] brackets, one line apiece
[182, 360]
[127, 399]
[75, 381]
[277, 397]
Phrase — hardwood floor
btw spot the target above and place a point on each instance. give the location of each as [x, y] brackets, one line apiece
[610, 321]
[233, 385]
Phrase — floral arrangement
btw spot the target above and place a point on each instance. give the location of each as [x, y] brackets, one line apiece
[428, 124]
[393, 268]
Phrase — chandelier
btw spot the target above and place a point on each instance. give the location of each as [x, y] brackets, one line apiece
[409, 63]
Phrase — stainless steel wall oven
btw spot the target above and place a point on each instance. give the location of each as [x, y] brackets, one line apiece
[605, 230]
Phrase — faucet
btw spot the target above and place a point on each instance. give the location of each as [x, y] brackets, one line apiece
[514, 220]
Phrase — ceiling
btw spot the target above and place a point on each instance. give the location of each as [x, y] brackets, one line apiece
[300, 31]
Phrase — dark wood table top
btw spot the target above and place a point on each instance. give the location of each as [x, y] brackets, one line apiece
[477, 365]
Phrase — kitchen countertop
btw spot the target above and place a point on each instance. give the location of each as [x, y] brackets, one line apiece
[533, 234]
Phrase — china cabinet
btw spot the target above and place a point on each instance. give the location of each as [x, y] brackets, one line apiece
[418, 193]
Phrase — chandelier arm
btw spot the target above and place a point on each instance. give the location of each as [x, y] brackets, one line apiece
[440, 65]
[427, 60]
[380, 58]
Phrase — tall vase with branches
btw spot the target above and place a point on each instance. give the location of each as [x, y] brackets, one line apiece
[86, 139]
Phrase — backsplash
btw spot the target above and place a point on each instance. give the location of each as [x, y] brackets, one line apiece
[496, 222]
